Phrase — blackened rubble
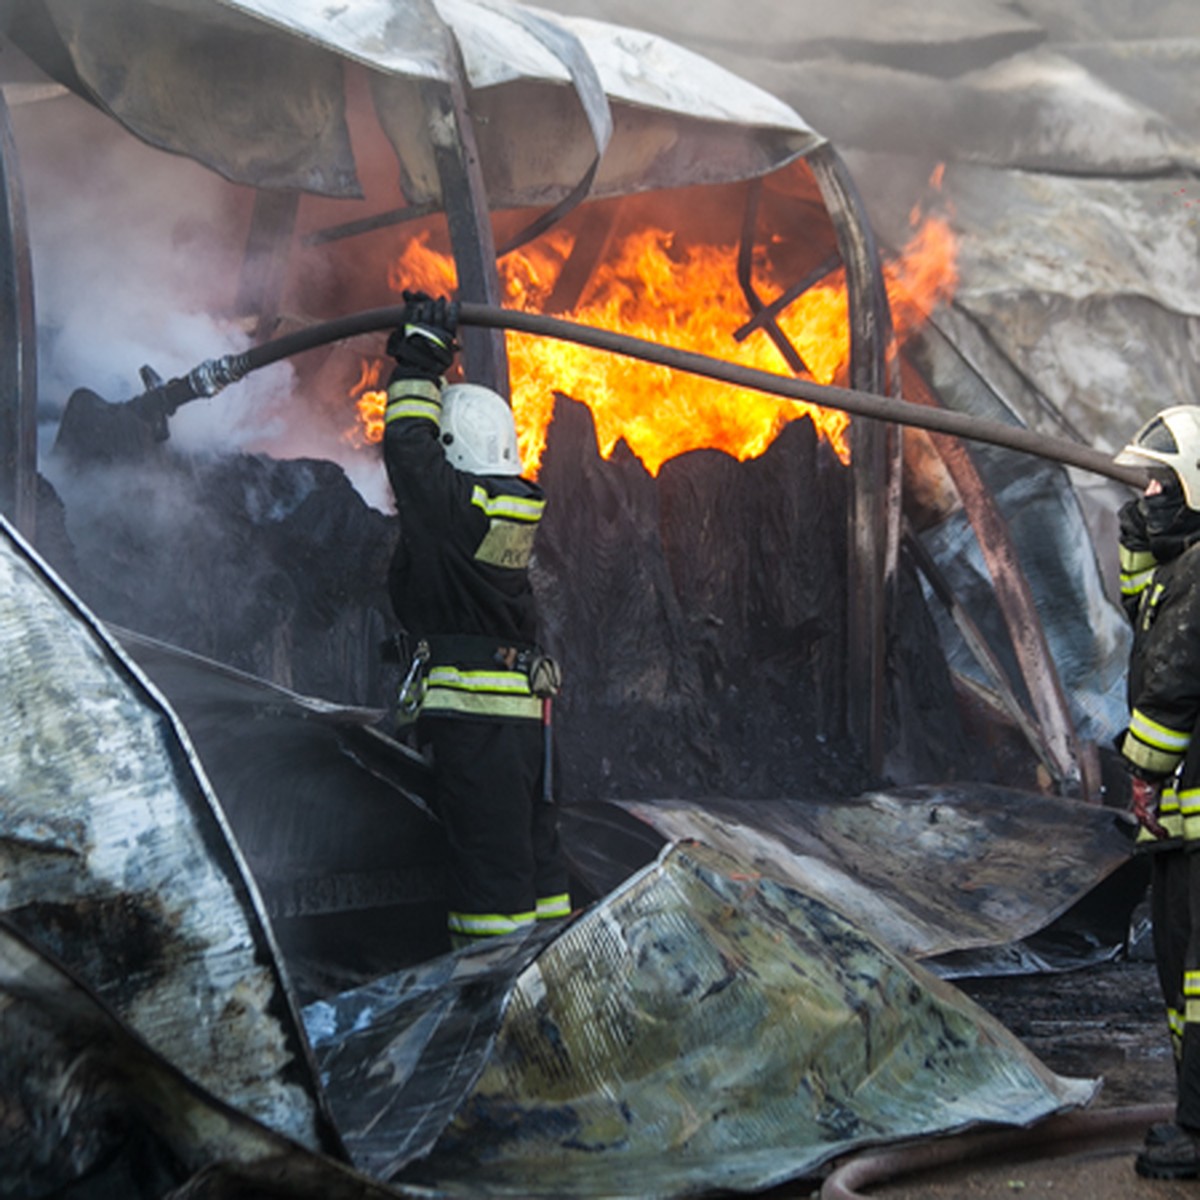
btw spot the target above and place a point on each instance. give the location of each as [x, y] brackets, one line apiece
[701, 644]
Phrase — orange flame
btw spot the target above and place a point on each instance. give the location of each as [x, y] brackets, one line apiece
[689, 297]
[370, 401]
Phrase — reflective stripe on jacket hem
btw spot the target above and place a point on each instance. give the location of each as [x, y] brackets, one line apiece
[1172, 820]
[480, 704]
[495, 693]
[1191, 997]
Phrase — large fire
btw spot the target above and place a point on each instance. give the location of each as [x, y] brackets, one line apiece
[686, 296]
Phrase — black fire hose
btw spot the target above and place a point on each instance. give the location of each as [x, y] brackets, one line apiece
[210, 377]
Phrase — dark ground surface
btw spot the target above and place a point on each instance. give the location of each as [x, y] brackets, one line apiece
[1101, 1022]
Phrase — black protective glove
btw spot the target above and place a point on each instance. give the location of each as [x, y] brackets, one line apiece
[424, 346]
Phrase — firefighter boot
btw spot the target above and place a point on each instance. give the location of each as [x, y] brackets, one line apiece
[1161, 1131]
[1176, 1156]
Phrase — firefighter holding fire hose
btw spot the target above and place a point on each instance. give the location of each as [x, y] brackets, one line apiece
[459, 583]
[1160, 588]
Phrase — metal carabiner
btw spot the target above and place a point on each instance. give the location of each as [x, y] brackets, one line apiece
[408, 699]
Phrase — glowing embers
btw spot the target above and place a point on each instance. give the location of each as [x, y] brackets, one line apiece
[651, 285]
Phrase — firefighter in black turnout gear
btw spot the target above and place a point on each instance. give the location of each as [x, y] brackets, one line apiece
[1160, 589]
[459, 585]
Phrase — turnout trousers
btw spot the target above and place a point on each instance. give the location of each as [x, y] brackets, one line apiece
[1175, 913]
[505, 860]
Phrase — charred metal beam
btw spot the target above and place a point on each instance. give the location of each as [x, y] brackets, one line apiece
[1015, 600]
[980, 651]
[757, 306]
[875, 495]
[581, 263]
[468, 214]
[18, 336]
[264, 265]
[770, 311]
[383, 220]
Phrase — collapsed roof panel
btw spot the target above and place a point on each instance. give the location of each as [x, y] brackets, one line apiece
[1038, 110]
[253, 89]
[701, 1028]
[952, 31]
[1084, 20]
[118, 861]
[929, 871]
[1159, 74]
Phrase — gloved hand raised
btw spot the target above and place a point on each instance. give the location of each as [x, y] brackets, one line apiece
[1145, 806]
[424, 346]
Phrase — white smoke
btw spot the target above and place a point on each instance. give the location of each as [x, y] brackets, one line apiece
[137, 254]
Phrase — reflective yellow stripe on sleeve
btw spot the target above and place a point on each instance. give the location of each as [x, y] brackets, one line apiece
[1153, 746]
[511, 508]
[1133, 583]
[1137, 569]
[414, 398]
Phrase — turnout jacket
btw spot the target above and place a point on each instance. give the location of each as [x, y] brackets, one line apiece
[1160, 743]
[459, 578]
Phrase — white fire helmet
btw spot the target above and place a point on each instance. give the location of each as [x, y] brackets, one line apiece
[1170, 439]
[478, 433]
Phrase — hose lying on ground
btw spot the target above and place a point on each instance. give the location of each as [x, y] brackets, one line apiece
[211, 376]
[1062, 1134]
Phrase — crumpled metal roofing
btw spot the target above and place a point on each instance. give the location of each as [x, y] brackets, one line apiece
[956, 875]
[701, 1028]
[253, 89]
[91, 1110]
[115, 857]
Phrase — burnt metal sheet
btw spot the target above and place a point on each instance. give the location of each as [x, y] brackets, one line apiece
[115, 858]
[702, 1028]
[18, 334]
[203, 80]
[330, 813]
[931, 871]
[1086, 632]
[91, 1110]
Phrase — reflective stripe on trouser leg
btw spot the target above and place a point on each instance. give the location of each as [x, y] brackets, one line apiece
[1187, 1111]
[480, 925]
[487, 789]
[549, 907]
